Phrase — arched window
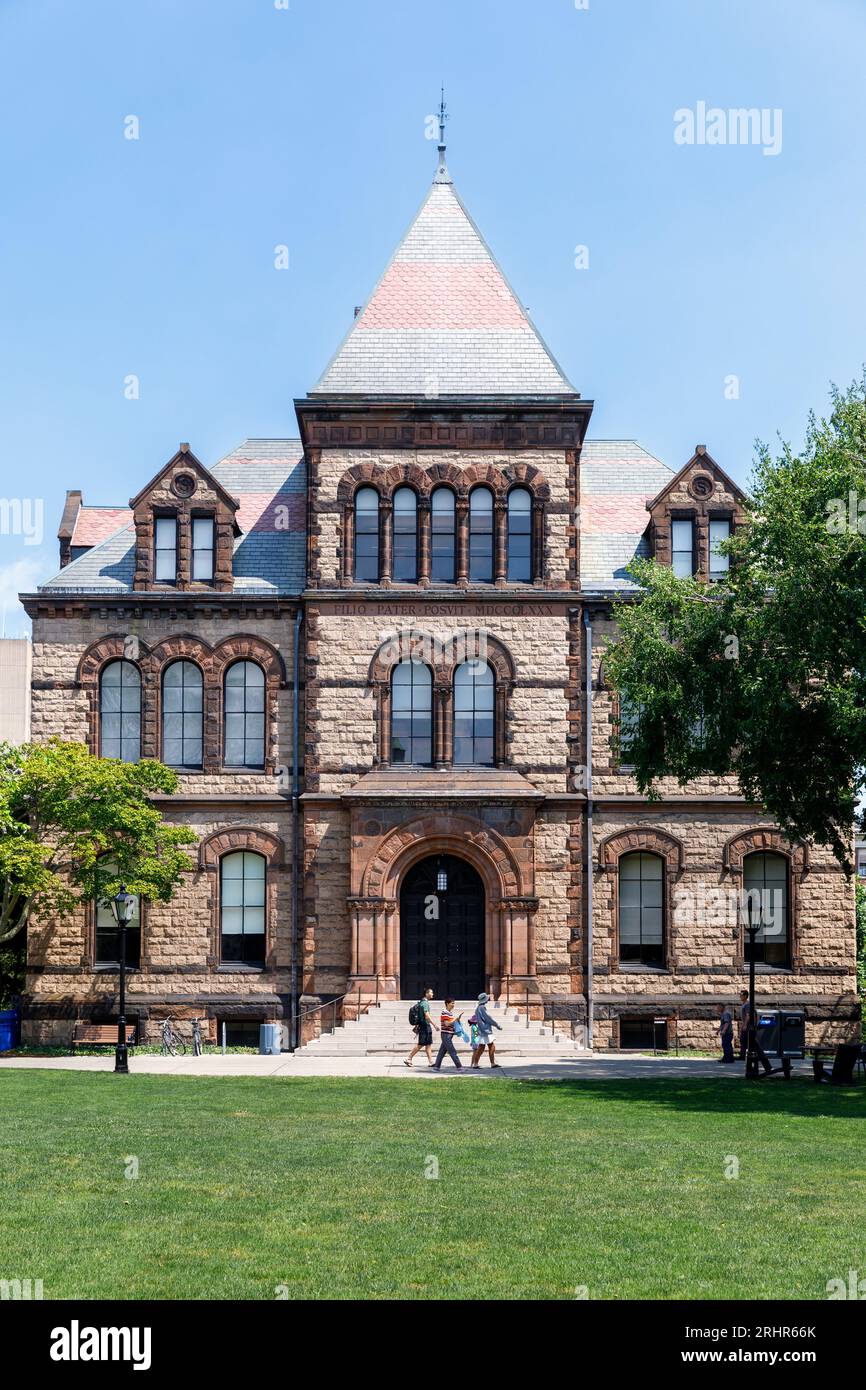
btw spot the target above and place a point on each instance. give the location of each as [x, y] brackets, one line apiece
[182, 713]
[242, 908]
[641, 914]
[244, 715]
[120, 712]
[405, 559]
[765, 883]
[412, 714]
[481, 536]
[520, 536]
[473, 714]
[107, 942]
[443, 569]
[367, 534]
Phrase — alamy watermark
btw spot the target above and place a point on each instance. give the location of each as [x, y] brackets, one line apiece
[740, 125]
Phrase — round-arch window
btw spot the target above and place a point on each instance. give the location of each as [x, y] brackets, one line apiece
[412, 714]
[481, 536]
[443, 537]
[120, 712]
[474, 714]
[182, 715]
[520, 536]
[245, 715]
[367, 534]
[242, 908]
[405, 559]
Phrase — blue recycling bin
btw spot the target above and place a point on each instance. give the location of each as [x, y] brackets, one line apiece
[270, 1037]
[10, 1029]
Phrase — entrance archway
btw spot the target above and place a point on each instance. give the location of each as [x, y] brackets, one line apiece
[442, 929]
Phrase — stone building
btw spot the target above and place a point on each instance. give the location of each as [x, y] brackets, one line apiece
[445, 546]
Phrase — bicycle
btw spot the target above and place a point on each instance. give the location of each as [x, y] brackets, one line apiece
[197, 1048]
[172, 1042]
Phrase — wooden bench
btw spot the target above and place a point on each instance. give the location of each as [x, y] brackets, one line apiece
[101, 1035]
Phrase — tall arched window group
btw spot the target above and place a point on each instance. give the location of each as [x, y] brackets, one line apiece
[182, 714]
[473, 731]
[390, 542]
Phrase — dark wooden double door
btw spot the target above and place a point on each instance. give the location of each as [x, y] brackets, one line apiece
[442, 932]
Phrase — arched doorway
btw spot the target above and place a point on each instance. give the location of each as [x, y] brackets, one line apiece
[442, 929]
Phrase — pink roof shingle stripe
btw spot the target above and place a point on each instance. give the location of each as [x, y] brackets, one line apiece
[414, 294]
[614, 513]
[95, 524]
[264, 511]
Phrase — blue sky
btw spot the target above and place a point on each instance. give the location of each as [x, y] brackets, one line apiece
[305, 126]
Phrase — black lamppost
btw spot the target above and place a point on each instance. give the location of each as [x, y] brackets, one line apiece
[123, 907]
[752, 927]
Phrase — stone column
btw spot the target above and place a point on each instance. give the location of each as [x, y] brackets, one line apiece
[500, 541]
[348, 554]
[538, 544]
[424, 550]
[462, 525]
[386, 540]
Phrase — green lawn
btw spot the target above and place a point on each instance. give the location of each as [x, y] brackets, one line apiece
[248, 1184]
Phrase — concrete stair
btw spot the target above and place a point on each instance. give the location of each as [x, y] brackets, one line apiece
[385, 1030]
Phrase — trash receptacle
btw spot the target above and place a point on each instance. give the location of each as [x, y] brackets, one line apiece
[10, 1033]
[269, 1039]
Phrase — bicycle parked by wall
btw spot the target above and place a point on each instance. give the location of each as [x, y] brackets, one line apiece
[172, 1042]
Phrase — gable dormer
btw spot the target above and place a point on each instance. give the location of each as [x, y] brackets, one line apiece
[185, 525]
[700, 507]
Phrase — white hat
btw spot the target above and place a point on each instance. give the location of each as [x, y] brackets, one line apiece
[483, 998]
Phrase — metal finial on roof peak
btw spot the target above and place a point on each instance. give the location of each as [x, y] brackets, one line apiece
[442, 175]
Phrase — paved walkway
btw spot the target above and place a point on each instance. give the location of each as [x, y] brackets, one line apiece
[610, 1067]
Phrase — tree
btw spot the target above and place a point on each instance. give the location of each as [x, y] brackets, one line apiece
[765, 678]
[73, 828]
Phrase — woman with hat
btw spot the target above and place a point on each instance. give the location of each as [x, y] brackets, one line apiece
[484, 1023]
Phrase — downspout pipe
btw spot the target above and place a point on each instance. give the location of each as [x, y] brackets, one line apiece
[294, 1040]
[590, 984]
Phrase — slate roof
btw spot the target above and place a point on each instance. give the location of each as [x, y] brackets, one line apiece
[443, 320]
[267, 477]
[617, 478]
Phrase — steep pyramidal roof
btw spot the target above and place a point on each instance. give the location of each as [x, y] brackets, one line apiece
[443, 320]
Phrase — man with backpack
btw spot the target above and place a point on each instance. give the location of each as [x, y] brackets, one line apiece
[423, 1025]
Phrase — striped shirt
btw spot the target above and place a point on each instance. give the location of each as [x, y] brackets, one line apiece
[447, 1021]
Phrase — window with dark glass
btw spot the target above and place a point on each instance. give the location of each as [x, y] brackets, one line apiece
[120, 712]
[405, 558]
[202, 548]
[520, 536]
[641, 916]
[481, 536]
[245, 715]
[182, 714]
[443, 537]
[412, 714]
[765, 883]
[165, 550]
[720, 530]
[107, 943]
[242, 908]
[367, 534]
[630, 713]
[683, 548]
[473, 714]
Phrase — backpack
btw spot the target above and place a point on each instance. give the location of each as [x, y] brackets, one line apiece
[415, 1015]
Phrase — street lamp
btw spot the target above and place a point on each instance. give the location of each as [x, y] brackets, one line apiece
[441, 877]
[752, 927]
[122, 906]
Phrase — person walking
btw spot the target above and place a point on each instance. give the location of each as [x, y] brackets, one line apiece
[423, 1029]
[484, 1024]
[726, 1033]
[745, 1017]
[447, 1022]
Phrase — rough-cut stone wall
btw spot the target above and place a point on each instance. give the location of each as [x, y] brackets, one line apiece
[327, 859]
[180, 971]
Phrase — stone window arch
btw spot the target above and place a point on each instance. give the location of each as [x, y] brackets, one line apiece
[763, 841]
[659, 846]
[213, 852]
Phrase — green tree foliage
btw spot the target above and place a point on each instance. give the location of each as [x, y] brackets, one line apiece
[74, 827]
[764, 677]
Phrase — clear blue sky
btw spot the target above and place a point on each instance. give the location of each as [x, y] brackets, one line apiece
[261, 126]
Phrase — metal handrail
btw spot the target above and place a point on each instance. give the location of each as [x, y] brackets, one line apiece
[332, 1004]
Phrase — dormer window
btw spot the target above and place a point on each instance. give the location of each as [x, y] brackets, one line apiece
[683, 547]
[203, 548]
[165, 550]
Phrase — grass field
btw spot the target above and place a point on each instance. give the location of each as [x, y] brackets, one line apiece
[246, 1185]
